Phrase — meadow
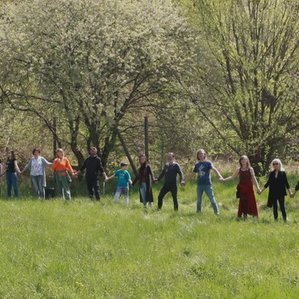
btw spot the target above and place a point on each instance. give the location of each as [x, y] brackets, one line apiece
[88, 249]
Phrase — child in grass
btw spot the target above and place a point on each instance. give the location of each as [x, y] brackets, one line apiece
[277, 183]
[204, 184]
[123, 181]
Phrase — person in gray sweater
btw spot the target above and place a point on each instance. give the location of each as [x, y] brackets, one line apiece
[37, 167]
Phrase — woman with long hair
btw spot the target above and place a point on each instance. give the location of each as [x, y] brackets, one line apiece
[12, 171]
[278, 184]
[245, 193]
[62, 173]
[145, 178]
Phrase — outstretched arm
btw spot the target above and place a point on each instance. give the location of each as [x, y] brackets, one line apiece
[162, 174]
[217, 172]
[181, 174]
[17, 167]
[27, 166]
[265, 186]
[108, 178]
[254, 180]
[46, 162]
[232, 177]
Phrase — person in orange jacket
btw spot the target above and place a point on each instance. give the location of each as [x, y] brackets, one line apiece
[62, 173]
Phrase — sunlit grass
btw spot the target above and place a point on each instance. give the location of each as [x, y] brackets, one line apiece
[84, 249]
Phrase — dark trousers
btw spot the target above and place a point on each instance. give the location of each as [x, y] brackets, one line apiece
[93, 187]
[12, 183]
[282, 208]
[174, 192]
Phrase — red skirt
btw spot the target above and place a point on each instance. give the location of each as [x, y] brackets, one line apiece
[247, 202]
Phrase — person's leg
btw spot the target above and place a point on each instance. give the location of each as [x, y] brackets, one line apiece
[96, 188]
[66, 188]
[34, 183]
[125, 192]
[210, 193]
[89, 187]
[8, 184]
[161, 195]
[58, 186]
[117, 194]
[282, 208]
[174, 193]
[142, 191]
[40, 185]
[199, 198]
[15, 184]
[275, 212]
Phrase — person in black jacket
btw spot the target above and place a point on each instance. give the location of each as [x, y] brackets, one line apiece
[169, 173]
[278, 184]
[145, 177]
[94, 169]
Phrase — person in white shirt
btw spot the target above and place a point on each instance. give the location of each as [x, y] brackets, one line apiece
[37, 167]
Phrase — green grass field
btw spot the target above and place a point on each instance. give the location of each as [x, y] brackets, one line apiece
[84, 249]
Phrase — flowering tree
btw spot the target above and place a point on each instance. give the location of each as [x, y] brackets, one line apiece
[88, 63]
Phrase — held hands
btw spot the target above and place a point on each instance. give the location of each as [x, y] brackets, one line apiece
[292, 195]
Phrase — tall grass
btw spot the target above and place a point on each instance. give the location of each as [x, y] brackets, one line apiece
[86, 249]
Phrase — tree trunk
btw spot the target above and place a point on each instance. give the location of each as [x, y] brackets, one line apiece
[127, 153]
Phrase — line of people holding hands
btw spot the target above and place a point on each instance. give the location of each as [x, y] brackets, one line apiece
[63, 172]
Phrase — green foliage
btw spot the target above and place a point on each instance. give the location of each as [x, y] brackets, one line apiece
[90, 62]
[246, 74]
[84, 249]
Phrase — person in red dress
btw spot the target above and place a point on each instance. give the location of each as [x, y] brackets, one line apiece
[245, 192]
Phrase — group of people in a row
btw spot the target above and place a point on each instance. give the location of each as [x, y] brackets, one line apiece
[63, 173]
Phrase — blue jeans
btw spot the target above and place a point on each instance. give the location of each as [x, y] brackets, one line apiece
[37, 182]
[12, 182]
[119, 192]
[210, 193]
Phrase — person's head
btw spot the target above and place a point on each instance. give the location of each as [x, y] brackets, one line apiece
[124, 165]
[12, 155]
[170, 157]
[36, 152]
[59, 153]
[93, 151]
[277, 165]
[142, 158]
[244, 162]
[201, 155]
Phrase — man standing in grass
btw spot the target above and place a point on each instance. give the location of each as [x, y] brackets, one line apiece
[169, 173]
[123, 180]
[94, 169]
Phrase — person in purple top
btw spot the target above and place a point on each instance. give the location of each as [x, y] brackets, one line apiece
[203, 169]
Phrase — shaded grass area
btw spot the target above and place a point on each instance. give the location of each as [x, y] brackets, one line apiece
[84, 249]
